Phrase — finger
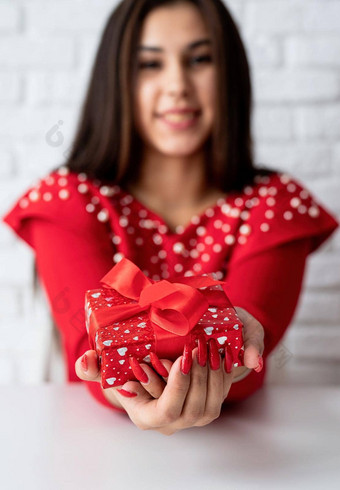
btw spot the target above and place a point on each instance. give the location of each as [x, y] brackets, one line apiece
[87, 366]
[195, 401]
[150, 380]
[170, 404]
[159, 365]
[215, 384]
[253, 334]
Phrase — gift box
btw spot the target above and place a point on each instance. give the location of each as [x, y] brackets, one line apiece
[133, 315]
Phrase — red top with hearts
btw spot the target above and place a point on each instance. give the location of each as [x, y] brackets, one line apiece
[256, 240]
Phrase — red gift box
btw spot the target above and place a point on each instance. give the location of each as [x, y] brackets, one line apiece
[132, 315]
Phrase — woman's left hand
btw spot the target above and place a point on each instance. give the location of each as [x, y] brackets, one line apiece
[253, 337]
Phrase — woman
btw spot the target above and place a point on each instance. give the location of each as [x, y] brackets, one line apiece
[162, 172]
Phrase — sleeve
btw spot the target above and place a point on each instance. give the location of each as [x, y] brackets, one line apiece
[281, 212]
[268, 286]
[73, 251]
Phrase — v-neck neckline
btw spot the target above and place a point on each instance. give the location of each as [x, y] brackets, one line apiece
[180, 230]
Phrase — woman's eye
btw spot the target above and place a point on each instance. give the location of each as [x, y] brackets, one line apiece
[156, 64]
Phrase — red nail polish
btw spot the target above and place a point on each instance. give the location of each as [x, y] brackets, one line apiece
[202, 351]
[214, 355]
[138, 370]
[158, 366]
[84, 363]
[186, 359]
[258, 368]
[228, 359]
[128, 394]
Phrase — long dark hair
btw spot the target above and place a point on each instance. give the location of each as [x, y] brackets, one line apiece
[106, 145]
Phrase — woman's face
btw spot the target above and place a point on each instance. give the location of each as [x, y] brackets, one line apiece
[174, 76]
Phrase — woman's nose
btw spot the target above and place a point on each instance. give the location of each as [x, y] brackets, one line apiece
[176, 79]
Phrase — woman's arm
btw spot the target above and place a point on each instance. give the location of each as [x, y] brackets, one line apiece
[267, 285]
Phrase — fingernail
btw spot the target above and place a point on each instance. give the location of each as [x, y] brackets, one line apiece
[156, 363]
[258, 368]
[138, 371]
[202, 351]
[214, 355]
[228, 359]
[186, 359]
[128, 394]
[84, 363]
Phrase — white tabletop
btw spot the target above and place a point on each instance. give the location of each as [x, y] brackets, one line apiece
[56, 437]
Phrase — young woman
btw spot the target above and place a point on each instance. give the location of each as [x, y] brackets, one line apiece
[161, 172]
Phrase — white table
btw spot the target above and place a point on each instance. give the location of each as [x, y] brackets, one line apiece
[56, 437]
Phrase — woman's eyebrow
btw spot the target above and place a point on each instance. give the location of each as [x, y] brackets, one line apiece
[190, 46]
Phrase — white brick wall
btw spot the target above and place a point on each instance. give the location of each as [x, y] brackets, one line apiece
[46, 51]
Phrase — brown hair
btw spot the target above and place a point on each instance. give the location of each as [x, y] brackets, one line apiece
[106, 145]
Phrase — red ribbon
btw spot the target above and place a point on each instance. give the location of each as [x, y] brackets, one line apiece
[173, 306]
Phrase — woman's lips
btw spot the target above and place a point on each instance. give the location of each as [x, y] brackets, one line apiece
[180, 121]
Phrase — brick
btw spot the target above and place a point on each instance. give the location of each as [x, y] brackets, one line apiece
[273, 123]
[9, 17]
[321, 16]
[323, 271]
[303, 372]
[263, 50]
[316, 343]
[36, 157]
[326, 190]
[299, 159]
[279, 17]
[59, 87]
[319, 308]
[7, 167]
[65, 16]
[47, 52]
[33, 125]
[16, 265]
[10, 88]
[313, 51]
[318, 122]
[295, 85]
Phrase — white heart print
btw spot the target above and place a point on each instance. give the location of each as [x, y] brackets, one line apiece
[107, 342]
[213, 310]
[148, 346]
[121, 351]
[110, 381]
[95, 295]
[208, 330]
[122, 361]
[235, 326]
[214, 316]
[221, 340]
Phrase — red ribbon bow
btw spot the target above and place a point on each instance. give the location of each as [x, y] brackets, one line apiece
[173, 306]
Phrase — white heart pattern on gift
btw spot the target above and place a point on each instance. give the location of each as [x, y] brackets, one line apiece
[107, 342]
[208, 330]
[136, 338]
[148, 346]
[147, 358]
[122, 361]
[226, 319]
[213, 310]
[236, 326]
[110, 381]
[122, 350]
[95, 295]
[221, 340]
[214, 316]
[143, 324]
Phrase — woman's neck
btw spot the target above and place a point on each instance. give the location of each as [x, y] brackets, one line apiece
[172, 182]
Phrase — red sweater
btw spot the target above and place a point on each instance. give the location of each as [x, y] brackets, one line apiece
[256, 240]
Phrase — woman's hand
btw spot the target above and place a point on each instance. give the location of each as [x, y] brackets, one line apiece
[178, 401]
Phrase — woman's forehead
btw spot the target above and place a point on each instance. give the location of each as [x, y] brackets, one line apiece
[180, 24]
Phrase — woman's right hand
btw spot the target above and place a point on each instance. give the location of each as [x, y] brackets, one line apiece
[179, 401]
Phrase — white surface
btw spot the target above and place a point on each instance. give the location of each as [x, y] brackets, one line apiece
[57, 437]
